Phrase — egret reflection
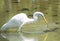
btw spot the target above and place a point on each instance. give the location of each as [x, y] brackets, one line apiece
[17, 37]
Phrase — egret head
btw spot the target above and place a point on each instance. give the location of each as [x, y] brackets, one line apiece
[40, 14]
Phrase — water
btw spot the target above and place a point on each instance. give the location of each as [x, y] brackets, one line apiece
[52, 35]
[18, 36]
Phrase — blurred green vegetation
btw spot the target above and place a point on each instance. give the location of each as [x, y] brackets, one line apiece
[51, 9]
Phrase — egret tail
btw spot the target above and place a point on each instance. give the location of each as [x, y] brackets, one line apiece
[3, 27]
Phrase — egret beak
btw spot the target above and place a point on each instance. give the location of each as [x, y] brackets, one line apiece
[46, 23]
[45, 20]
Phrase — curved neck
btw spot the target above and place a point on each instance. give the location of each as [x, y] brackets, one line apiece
[35, 17]
[31, 20]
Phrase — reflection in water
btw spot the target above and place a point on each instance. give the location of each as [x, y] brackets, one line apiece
[2, 38]
[17, 37]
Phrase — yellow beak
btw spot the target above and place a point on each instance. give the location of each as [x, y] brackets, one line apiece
[45, 20]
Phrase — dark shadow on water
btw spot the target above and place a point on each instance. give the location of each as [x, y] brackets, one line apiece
[41, 32]
[51, 30]
[35, 32]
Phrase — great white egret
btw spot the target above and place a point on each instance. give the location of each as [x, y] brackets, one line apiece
[20, 19]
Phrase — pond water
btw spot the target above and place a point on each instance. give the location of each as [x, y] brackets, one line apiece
[19, 36]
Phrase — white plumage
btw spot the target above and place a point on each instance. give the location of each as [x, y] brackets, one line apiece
[20, 19]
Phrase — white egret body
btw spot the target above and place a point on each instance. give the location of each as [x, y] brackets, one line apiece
[20, 19]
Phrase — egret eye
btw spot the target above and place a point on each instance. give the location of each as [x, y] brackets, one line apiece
[39, 15]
